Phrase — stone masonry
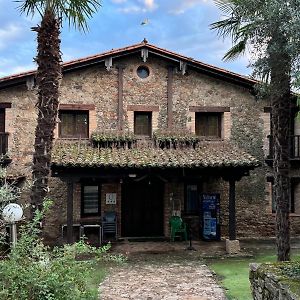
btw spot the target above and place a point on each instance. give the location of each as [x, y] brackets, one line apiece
[265, 285]
[246, 125]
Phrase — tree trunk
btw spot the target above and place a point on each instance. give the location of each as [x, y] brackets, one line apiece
[281, 119]
[48, 78]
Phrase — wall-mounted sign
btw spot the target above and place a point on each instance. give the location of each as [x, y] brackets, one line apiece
[111, 198]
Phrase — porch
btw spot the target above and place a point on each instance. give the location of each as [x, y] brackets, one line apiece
[145, 187]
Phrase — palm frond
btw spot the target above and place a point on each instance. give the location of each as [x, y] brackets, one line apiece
[76, 12]
[237, 50]
[226, 27]
[226, 6]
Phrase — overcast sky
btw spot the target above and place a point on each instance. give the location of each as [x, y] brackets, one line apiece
[178, 25]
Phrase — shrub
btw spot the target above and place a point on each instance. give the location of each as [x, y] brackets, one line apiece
[33, 272]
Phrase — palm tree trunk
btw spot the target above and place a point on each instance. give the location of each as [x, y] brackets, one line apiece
[48, 78]
[281, 116]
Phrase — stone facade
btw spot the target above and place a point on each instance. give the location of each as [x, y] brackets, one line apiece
[265, 285]
[245, 124]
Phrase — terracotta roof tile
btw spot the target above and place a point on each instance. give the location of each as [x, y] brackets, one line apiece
[210, 154]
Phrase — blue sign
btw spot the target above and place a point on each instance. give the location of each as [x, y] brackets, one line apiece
[211, 216]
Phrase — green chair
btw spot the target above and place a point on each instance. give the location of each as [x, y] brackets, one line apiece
[177, 226]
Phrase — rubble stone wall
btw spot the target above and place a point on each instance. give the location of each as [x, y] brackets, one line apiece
[245, 124]
[265, 285]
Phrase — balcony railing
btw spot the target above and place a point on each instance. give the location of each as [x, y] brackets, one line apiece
[294, 147]
[3, 143]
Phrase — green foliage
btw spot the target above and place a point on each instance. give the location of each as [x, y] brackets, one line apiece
[291, 270]
[75, 11]
[113, 136]
[233, 273]
[33, 271]
[175, 139]
[266, 28]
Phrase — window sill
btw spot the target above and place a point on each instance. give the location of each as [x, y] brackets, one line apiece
[73, 138]
[290, 214]
[209, 138]
[143, 137]
[89, 219]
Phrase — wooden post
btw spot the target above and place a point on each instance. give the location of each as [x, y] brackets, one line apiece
[70, 212]
[170, 97]
[120, 98]
[232, 220]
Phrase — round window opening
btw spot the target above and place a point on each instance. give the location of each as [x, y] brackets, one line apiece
[143, 72]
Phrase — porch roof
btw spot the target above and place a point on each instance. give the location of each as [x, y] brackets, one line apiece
[206, 155]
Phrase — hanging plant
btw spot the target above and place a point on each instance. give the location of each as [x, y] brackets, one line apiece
[175, 139]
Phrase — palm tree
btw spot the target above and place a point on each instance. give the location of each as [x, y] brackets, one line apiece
[49, 74]
[262, 24]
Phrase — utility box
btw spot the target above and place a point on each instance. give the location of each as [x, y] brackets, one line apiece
[210, 215]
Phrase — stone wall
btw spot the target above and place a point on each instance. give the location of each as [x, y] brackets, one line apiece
[245, 124]
[265, 285]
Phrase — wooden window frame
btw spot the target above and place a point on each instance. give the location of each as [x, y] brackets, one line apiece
[3, 110]
[199, 192]
[207, 114]
[83, 214]
[149, 113]
[73, 112]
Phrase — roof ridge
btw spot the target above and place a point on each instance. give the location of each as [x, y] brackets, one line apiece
[142, 44]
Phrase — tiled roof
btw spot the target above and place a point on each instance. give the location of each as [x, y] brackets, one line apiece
[73, 64]
[210, 154]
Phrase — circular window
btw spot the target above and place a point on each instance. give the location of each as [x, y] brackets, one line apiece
[143, 72]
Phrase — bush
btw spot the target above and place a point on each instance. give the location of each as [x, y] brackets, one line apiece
[33, 272]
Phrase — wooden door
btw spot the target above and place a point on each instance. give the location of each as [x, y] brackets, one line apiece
[142, 208]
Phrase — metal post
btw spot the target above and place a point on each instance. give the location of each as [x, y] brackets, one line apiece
[14, 234]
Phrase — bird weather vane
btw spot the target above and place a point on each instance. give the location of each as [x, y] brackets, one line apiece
[145, 22]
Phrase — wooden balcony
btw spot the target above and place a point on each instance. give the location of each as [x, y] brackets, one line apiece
[3, 142]
[294, 148]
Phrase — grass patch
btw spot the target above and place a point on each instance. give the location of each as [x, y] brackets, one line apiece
[96, 276]
[233, 273]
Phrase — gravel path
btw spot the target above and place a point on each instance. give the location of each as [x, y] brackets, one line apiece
[184, 280]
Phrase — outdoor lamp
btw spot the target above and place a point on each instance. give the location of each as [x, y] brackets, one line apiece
[12, 213]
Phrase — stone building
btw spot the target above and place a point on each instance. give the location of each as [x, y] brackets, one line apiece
[148, 133]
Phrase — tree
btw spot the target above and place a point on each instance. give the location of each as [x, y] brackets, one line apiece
[49, 74]
[270, 29]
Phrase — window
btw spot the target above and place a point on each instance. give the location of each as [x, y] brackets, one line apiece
[2, 120]
[293, 198]
[143, 123]
[208, 124]
[143, 72]
[192, 204]
[90, 199]
[74, 124]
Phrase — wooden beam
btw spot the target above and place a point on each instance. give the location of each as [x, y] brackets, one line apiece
[209, 109]
[30, 82]
[76, 106]
[267, 109]
[108, 63]
[144, 54]
[120, 98]
[170, 97]
[5, 105]
[142, 108]
[182, 67]
[70, 212]
[232, 215]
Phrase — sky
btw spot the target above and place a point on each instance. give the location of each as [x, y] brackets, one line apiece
[177, 25]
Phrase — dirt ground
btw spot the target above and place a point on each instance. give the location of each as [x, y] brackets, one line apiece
[162, 270]
[168, 271]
